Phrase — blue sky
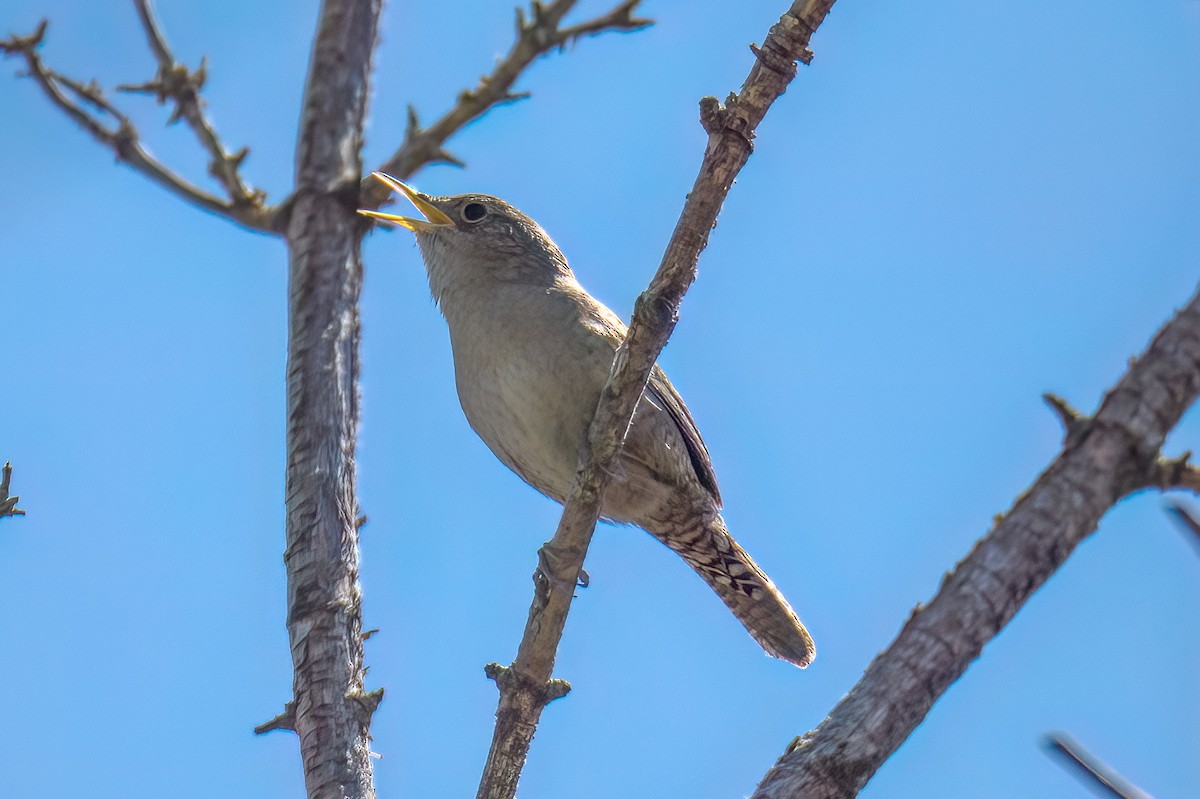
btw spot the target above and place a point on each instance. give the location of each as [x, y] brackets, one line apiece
[950, 212]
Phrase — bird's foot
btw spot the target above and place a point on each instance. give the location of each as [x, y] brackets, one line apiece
[555, 567]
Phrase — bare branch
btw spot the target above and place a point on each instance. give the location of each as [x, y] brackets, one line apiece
[332, 707]
[538, 33]
[174, 81]
[527, 686]
[941, 639]
[109, 126]
[8, 505]
[1092, 770]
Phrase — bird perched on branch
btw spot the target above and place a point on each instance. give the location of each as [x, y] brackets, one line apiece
[532, 351]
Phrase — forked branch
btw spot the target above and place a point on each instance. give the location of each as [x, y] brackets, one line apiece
[538, 33]
[88, 106]
[175, 82]
[526, 685]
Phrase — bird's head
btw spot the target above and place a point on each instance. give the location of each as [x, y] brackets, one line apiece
[476, 239]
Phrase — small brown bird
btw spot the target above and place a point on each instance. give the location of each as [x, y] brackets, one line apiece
[532, 351]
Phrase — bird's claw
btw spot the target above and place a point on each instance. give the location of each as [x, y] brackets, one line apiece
[552, 564]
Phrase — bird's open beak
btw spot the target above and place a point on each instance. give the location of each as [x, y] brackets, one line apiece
[434, 218]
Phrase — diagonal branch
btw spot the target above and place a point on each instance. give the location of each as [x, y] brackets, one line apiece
[174, 81]
[8, 505]
[538, 33]
[1116, 454]
[88, 107]
[1187, 520]
[526, 686]
[1092, 770]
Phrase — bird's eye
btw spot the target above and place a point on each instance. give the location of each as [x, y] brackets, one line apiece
[473, 212]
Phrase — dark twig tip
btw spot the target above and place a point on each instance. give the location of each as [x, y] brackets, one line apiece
[1091, 769]
[1187, 520]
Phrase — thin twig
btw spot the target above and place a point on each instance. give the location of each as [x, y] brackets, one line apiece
[114, 130]
[526, 686]
[174, 81]
[982, 594]
[1187, 520]
[1092, 770]
[8, 505]
[538, 33]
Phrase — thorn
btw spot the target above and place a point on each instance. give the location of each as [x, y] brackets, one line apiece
[413, 126]
[445, 157]
[237, 158]
[284, 721]
[512, 97]
[360, 521]
[1074, 423]
[200, 76]
[368, 634]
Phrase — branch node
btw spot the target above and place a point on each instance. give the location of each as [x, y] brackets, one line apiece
[509, 679]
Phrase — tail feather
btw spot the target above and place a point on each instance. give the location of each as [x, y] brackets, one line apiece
[744, 588]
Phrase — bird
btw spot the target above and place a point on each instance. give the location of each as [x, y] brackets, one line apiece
[532, 351]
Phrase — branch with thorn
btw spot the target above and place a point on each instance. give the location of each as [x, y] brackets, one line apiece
[538, 33]
[88, 106]
[175, 82]
[527, 685]
[8, 505]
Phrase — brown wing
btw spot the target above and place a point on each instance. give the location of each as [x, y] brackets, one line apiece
[663, 394]
[658, 390]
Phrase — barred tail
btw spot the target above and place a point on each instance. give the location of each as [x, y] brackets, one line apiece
[747, 591]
